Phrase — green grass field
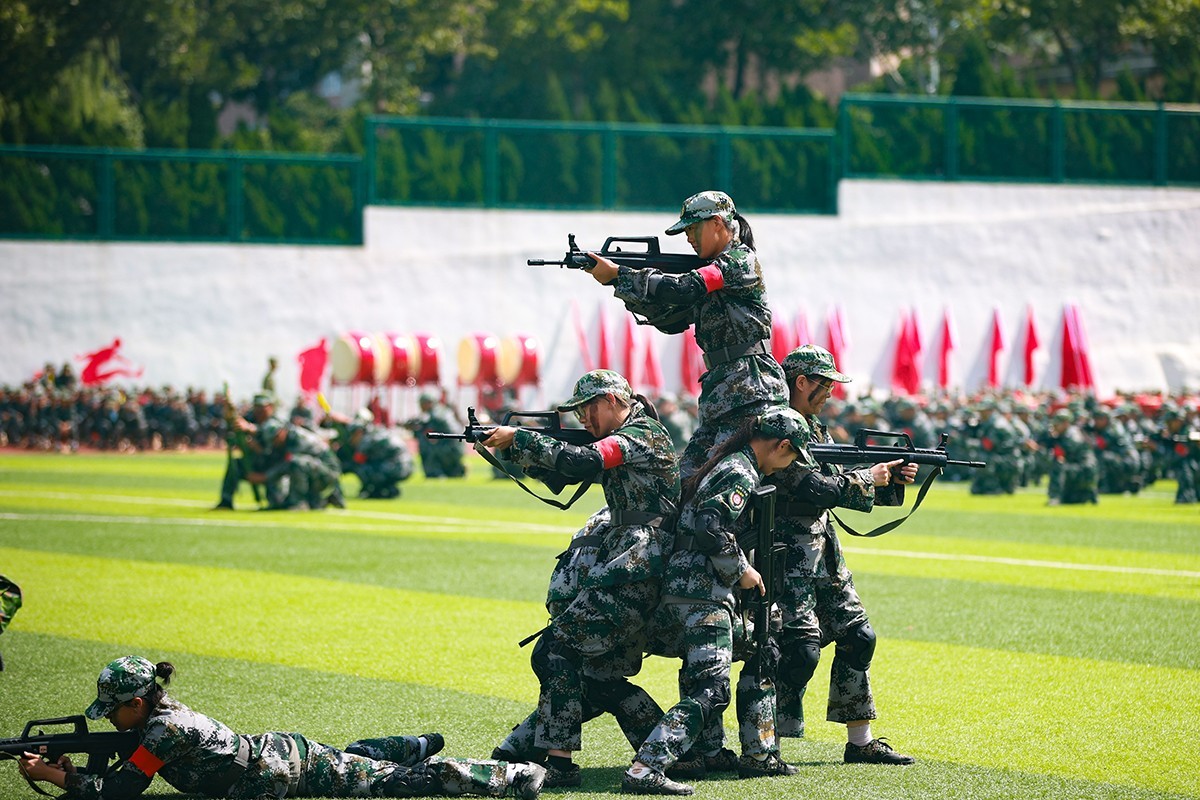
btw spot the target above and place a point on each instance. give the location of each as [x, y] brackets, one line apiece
[1024, 651]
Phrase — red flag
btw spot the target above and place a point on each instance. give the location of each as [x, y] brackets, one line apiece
[945, 346]
[906, 368]
[585, 352]
[838, 345]
[803, 331]
[652, 371]
[312, 366]
[993, 376]
[1031, 344]
[630, 349]
[691, 363]
[1076, 365]
[602, 356]
[781, 338]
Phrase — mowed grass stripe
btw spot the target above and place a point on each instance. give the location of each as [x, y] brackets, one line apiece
[1042, 714]
[50, 676]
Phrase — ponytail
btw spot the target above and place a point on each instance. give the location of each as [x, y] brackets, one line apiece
[647, 406]
[745, 234]
[741, 437]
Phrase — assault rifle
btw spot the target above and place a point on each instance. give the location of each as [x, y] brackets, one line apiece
[667, 318]
[769, 560]
[236, 452]
[477, 432]
[862, 452]
[99, 747]
[651, 257]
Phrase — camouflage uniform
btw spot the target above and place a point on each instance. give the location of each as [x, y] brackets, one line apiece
[196, 754]
[10, 601]
[440, 458]
[305, 459]
[696, 619]
[379, 461]
[728, 301]
[1073, 468]
[996, 442]
[1179, 454]
[607, 583]
[1119, 460]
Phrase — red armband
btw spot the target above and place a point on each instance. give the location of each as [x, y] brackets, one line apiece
[610, 452]
[713, 278]
[146, 761]
[360, 458]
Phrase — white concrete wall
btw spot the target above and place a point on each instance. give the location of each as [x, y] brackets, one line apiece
[199, 314]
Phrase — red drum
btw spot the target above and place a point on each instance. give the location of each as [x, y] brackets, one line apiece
[406, 358]
[477, 359]
[428, 349]
[360, 358]
[518, 361]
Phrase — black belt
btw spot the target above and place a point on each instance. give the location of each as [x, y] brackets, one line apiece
[221, 785]
[798, 510]
[685, 543]
[715, 358]
[621, 517]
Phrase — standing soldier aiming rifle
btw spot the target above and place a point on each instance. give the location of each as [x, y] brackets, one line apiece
[819, 603]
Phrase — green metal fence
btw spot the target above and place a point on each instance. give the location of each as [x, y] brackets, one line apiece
[572, 165]
[1045, 141]
[180, 195]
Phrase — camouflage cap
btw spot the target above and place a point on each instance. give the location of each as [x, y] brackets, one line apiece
[427, 397]
[597, 383]
[782, 422]
[702, 206]
[812, 360]
[1062, 415]
[264, 399]
[120, 682]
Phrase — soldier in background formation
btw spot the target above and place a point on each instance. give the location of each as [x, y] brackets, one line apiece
[371, 453]
[441, 458]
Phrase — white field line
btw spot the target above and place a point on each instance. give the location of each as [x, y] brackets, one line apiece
[1024, 562]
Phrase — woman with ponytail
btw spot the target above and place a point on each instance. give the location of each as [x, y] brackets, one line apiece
[726, 299]
[199, 755]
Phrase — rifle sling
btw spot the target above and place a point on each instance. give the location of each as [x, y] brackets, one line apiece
[890, 526]
[491, 459]
[28, 779]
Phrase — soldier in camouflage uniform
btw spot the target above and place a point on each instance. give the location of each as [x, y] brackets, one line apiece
[1118, 457]
[819, 603]
[440, 458]
[727, 302]
[598, 612]
[996, 442]
[695, 618]
[1073, 466]
[246, 454]
[10, 601]
[199, 755]
[296, 454]
[1179, 448]
[369, 452]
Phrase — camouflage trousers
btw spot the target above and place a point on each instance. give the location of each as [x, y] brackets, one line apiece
[601, 633]
[379, 478]
[292, 766]
[635, 711]
[712, 434]
[702, 635]
[820, 611]
[310, 480]
[235, 472]
[1000, 477]
[10, 601]
[1073, 483]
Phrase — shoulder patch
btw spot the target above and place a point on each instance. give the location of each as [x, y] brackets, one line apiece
[737, 498]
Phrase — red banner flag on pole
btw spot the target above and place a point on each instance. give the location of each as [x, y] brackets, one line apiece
[997, 345]
[803, 331]
[1076, 365]
[781, 338]
[1031, 344]
[945, 347]
[906, 364]
[603, 360]
[838, 345]
[652, 371]
[630, 352]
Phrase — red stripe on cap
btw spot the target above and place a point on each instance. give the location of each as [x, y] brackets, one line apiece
[610, 452]
[713, 278]
[146, 761]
